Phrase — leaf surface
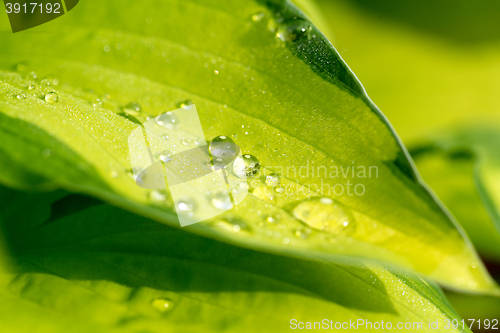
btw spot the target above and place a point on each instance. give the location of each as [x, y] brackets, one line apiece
[272, 82]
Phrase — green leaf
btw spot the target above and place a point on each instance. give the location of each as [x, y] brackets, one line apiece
[471, 162]
[272, 82]
[82, 265]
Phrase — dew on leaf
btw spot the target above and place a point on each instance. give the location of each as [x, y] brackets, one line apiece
[51, 97]
[133, 109]
[31, 86]
[198, 141]
[169, 120]
[186, 205]
[21, 96]
[162, 304]
[272, 180]
[293, 29]
[97, 103]
[246, 166]
[325, 214]
[185, 104]
[223, 146]
[221, 201]
[165, 156]
[258, 17]
[186, 141]
[157, 196]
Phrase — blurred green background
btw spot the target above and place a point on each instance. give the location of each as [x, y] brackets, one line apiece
[433, 68]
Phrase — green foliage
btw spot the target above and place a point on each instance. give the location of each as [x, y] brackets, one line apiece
[81, 265]
[272, 81]
[471, 162]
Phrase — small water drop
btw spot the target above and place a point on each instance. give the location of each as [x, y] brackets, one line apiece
[258, 17]
[216, 72]
[286, 240]
[133, 109]
[114, 174]
[45, 82]
[162, 304]
[186, 141]
[223, 147]
[97, 103]
[165, 137]
[31, 86]
[272, 180]
[47, 153]
[51, 97]
[246, 166]
[325, 214]
[240, 187]
[165, 157]
[221, 201]
[32, 75]
[186, 205]
[198, 141]
[168, 120]
[21, 96]
[157, 196]
[293, 29]
[185, 104]
[279, 190]
[21, 67]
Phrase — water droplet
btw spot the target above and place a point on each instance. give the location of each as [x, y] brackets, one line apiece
[133, 109]
[236, 228]
[168, 120]
[47, 152]
[286, 240]
[186, 141]
[279, 190]
[55, 82]
[162, 304]
[258, 17]
[165, 137]
[114, 174]
[293, 29]
[31, 86]
[221, 201]
[185, 104]
[97, 103]
[198, 141]
[223, 147]
[216, 72]
[21, 96]
[240, 187]
[32, 75]
[51, 97]
[157, 196]
[246, 166]
[186, 205]
[45, 82]
[301, 233]
[271, 219]
[165, 157]
[107, 48]
[326, 215]
[21, 67]
[272, 180]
